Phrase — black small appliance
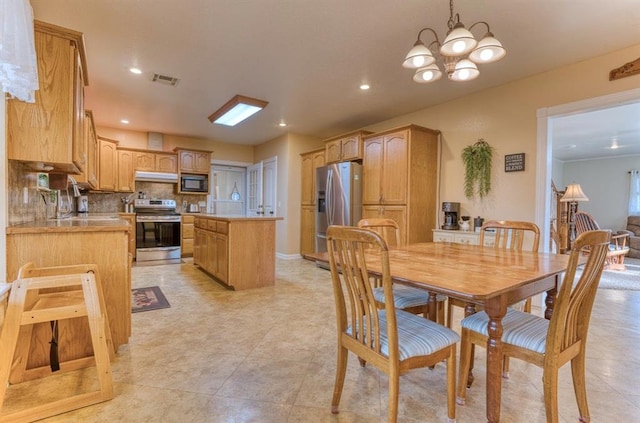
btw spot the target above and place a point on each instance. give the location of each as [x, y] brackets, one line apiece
[451, 211]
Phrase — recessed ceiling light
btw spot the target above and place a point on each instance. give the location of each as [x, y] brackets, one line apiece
[236, 110]
[364, 87]
[135, 70]
[125, 121]
[282, 123]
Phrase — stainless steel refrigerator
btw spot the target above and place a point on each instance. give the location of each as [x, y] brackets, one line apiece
[338, 198]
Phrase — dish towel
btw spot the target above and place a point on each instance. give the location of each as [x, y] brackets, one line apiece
[18, 66]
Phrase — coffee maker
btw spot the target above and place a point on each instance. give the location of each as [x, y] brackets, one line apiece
[451, 211]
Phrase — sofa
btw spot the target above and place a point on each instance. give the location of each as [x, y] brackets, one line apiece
[633, 229]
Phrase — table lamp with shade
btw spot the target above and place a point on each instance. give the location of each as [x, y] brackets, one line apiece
[573, 195]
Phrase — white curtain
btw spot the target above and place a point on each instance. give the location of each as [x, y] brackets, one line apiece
[634, 193]
[18, 66]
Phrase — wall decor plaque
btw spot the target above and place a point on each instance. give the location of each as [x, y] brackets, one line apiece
[514, 162]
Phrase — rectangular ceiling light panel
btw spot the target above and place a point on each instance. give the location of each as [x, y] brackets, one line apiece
[236, 110]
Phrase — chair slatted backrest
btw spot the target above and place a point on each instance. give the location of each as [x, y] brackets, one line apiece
[356, 310]
[584, 222]
[572, 310]
[387, 228]
[510, 234]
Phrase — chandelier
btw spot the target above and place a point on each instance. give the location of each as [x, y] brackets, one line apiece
[460, 52]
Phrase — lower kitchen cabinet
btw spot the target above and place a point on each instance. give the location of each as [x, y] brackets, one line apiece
[131, 218]
[396, 213]
[237, 251]
[187, 235]
[50, 243]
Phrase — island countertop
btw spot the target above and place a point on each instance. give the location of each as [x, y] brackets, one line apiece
[233, 217]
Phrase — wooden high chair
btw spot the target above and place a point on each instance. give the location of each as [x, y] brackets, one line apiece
[41, 295]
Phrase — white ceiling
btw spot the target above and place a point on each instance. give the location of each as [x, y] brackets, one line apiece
[308, 58]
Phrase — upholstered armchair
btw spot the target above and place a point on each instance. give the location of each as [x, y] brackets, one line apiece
[633, 229]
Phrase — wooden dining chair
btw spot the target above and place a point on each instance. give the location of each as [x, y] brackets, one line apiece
[618, 248]
[392, 340]
[407, 298]
[508, 235]
[549, 344]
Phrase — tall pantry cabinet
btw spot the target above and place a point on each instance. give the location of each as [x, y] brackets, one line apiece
[400, 179]
[310, 162]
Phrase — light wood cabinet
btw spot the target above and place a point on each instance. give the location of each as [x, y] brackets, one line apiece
[89, 178]
[107, 165]
[396, 213]
[193, 161]
[106, 246]
[347, 147]
[187, 235]
[400, 174]
[310, 162]
[51, 130]
[308, 230]
[239, 252]
[125, 181]
[131, 219]
[155, 162]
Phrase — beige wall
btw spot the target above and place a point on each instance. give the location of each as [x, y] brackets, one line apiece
[506, 117]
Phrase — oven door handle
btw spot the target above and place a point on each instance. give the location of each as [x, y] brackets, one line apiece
[157, 221]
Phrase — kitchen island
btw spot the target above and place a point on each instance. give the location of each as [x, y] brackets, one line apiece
[237, 251]
[69, 242]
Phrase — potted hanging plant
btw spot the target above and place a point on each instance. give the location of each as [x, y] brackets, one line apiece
[477, 169]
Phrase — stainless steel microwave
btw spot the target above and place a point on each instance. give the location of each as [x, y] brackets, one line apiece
[194, 183]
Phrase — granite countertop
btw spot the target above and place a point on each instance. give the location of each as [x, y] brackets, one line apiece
[230, 217]
[91, 222]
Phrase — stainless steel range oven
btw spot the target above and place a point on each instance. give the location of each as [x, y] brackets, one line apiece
[157, 230]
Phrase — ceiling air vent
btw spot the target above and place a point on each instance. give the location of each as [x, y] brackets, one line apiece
[164, 79]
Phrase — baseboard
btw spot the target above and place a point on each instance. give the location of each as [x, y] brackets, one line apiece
[288, 256]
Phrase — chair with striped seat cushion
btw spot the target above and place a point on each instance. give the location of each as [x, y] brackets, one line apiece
[392, 340]
[407, 298]
[548, 344]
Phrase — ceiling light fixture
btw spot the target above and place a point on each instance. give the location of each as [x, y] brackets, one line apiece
[282, 123]
[460, 52]
[135, 70]
[364, 87]
[236, 110]
[125, 121]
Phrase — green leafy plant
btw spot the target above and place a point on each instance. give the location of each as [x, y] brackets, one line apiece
[477, 168]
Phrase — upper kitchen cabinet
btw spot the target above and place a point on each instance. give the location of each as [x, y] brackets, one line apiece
[51, 130]
[193, 161]
[89, 178]
[125, 182]
[155, 162]
[108, 164]
[347, 147]
[400, 178]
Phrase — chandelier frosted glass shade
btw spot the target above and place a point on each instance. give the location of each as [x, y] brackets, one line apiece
[419, 56]
[488, 50]
[465, 70]
[459, 42]
[427, 74]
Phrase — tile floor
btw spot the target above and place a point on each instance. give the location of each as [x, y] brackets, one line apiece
[267, 355]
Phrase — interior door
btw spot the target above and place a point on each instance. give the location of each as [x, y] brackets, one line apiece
[269, 184]
[254, 190]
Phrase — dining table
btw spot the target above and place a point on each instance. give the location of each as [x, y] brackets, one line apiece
[488, 277]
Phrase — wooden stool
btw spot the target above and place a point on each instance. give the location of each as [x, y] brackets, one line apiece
[77, 293]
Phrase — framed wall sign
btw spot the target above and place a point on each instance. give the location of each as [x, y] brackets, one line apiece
[514, 162]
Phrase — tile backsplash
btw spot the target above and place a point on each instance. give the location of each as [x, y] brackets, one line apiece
[39, 205]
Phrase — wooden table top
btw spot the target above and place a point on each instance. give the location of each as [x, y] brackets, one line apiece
[467, 272]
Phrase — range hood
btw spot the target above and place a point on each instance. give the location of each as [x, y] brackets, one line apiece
[169, 178]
